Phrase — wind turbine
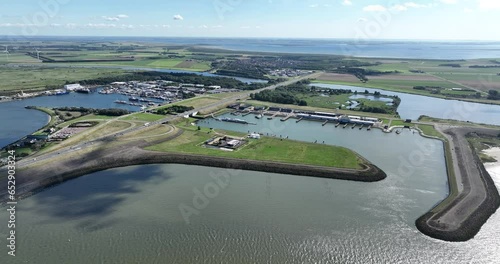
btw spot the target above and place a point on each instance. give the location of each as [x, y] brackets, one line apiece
[37, 54]
[6, 51]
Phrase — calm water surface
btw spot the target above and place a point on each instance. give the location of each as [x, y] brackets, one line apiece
[413, 106]
[132, 214]
[20, 122]
[347, 47]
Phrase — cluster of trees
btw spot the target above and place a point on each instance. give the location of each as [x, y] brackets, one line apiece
[493, 95]
[92, 123]
[174, 109]
[278, 96]
[453, 65]
[374, 109]
[427, 87]
[174, 77]
[188, 95]
[86, 111]
[484, 66]
[361, 73]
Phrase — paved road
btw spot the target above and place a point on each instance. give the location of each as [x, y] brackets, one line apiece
[100, 141]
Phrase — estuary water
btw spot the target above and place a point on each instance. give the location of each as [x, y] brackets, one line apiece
[413, 106]
[132, 215]
[448, 50]
[20, 121]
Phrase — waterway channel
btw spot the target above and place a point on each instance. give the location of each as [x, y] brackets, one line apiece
[413, 106]
[132, 214]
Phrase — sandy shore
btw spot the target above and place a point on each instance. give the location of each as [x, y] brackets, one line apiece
[493, 168]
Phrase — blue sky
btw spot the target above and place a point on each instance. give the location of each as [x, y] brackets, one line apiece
[366, 19]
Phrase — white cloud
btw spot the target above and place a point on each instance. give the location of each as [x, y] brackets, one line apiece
[399, 8]
[449, 2]
[111, 18]
[415, 5]
[114, 18]
[362, 19]
[468, 10]
[346, 2]
[489, 4]
[17, 25]
[374, 8]
[313, 5]
[409, 5]
[178, 17]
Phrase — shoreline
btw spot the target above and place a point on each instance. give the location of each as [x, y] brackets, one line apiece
[362, 85]
[460, 216]
[35, 179]
[493, 168]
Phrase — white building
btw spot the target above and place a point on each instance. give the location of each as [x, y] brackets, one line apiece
[72, 87]
[254, 136]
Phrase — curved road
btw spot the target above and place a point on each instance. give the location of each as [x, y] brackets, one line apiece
[99, 141]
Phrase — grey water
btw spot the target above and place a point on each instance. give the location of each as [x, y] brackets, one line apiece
[132, 215]
[413, 106]
[447, 50]
[20, 121]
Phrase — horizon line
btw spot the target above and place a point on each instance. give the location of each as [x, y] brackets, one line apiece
[254, 37]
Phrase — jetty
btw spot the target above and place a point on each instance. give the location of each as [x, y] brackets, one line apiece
[273, 116]
[286, 118]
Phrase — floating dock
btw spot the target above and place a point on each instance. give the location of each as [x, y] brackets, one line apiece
[273, 116]
[300, 119]
[286, 118]
[324, 123]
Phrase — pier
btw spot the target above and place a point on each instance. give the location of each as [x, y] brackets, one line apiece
[300, 119]
[286, 117]
[273, 116]
[324, 123]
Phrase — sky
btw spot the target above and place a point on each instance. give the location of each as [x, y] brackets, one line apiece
[350, 19]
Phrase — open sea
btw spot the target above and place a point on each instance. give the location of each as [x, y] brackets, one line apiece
[452, 50]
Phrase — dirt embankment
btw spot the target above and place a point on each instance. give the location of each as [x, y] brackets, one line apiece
[461, 218]
[37, 178]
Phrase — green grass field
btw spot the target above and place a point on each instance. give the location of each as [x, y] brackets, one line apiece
[429, 130]
[268, 149]
[38, 78]
[144, 117]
